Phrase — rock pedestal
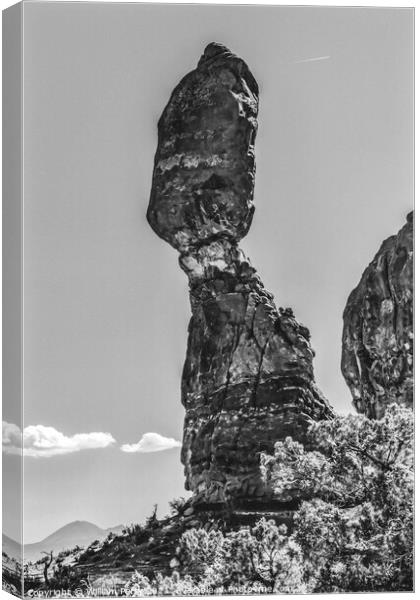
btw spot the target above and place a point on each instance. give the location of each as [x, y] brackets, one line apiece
[377, 349]
[248, 377]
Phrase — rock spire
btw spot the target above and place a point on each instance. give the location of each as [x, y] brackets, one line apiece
[248, 378]
[377, 346]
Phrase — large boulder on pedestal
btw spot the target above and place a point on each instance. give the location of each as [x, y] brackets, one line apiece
[248, 377]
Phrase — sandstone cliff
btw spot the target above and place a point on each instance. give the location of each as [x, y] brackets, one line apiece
[377, 351]
[248, 377]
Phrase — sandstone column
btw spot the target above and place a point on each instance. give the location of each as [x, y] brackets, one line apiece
[377, 350]
[248, 377]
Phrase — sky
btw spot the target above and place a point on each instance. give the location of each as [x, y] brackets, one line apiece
[106, 305]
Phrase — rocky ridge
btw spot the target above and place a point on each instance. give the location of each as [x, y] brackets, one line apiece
[377, 343]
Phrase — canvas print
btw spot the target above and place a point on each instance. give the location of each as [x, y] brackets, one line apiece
[216, 226]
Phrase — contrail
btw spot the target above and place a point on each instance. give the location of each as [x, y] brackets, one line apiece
[315, 58]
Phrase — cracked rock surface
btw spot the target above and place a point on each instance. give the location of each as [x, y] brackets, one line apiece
[377, 345]
[248, 377]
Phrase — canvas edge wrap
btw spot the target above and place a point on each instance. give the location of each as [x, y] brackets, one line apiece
[12, 190]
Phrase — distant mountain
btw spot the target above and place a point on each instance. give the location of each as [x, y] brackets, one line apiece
[13, 549]
[77, 533]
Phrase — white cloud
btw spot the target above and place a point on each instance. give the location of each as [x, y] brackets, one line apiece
[151, 442]
[41, 441]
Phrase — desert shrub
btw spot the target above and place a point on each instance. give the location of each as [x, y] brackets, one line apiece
[198, 549]
[137, 533]
[152, 522]
[251, 560]
[262, 554]
[64, 576]
[355, 528]
[177, 506]
[161, 585]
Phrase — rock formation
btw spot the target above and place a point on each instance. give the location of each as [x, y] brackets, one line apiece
[377, 351]
[248, 377]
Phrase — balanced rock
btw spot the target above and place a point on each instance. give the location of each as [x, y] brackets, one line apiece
[248, 377]
[377, 345]
[203, 176]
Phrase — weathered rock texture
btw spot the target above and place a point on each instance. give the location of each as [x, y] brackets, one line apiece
[377, 353]
[248, 378]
